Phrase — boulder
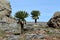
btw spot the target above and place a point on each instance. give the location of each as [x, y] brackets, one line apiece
[5, 7]
[54, 21]
[5, 12]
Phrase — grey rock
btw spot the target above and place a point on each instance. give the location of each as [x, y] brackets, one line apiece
[30, 36]
[13, 37]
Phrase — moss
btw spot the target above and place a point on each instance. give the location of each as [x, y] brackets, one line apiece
[2, 33]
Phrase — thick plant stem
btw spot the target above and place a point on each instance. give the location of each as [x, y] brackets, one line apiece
[22, 28]
[35, 20]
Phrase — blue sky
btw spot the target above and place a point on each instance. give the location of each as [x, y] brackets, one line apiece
[46, 7]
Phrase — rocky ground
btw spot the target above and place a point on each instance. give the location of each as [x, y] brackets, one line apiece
[33, 33]
[43, 33]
